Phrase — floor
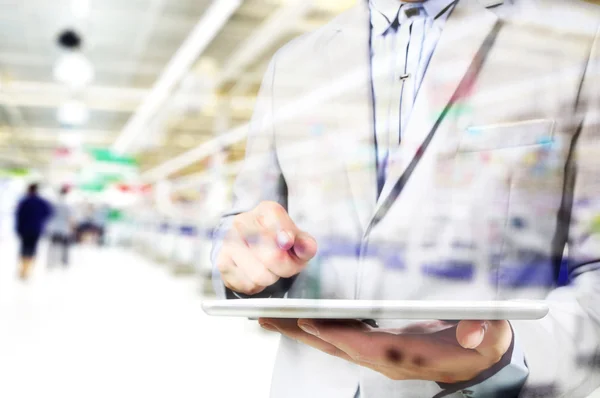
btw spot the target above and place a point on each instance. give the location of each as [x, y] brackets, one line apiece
[115, 325]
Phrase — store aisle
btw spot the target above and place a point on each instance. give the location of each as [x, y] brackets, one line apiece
[115, 325]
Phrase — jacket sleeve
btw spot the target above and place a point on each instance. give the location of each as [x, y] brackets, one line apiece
[259, 180]
[562, 351]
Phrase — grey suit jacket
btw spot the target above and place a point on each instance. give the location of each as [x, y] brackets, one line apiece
[506, 192]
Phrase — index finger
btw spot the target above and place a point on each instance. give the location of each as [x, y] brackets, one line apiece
[274, 218]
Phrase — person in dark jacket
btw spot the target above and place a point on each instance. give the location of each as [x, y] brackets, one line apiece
[32, 214]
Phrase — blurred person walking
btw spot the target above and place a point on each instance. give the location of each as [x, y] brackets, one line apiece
[31, 216]
[100, 218]
[61, 230]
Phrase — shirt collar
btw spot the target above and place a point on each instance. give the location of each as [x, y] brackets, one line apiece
[384, 12]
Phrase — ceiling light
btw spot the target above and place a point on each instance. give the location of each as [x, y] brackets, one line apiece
[73, 113]
[74, 70]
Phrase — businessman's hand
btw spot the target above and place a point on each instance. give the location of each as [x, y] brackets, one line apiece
[263, 246]
[435, 351]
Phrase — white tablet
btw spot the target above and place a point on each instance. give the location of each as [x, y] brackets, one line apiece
[374, 309]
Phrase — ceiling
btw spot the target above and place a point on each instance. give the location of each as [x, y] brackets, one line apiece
[130, 43]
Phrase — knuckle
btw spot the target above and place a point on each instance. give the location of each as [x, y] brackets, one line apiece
[271, 278]
[254, 289]
[278, 209]
[230, 281]
[232, 285]
[241, 286]
[272, 257]
[253, 275]
[226, 250]
[238, 224]
[273, 211]
[256, 281]
[229, 239]
[287, 272]
[222, 262]
[223, 267]
[270, 206]
[264, 278]
[289, 269]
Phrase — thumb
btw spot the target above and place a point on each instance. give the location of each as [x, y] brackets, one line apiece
[490, 338]
[305, 246]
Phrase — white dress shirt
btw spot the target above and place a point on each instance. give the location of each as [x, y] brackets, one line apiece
[403, 40]
[404, 37]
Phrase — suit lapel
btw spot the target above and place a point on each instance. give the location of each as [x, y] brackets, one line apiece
[462, 36]
[349, 66]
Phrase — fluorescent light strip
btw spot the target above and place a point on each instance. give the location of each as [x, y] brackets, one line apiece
[206, 177]
[319, 96]
[195, 154]
[206, 29]
[313, 99]
[283, 20]
[292, 152]
[345, 83]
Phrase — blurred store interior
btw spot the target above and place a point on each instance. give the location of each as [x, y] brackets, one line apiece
[139, 108]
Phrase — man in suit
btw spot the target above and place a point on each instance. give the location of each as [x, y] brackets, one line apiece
[427, 150]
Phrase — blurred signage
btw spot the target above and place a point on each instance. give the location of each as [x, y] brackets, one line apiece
[132, 188]
[108, 156]
[14, 172]
[106, 169]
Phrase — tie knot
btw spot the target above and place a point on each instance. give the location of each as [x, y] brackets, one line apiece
[410, 11]
[406, 14]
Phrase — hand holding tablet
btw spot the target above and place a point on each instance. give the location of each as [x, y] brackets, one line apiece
[437, 351]
[463, 340]
[477, 341]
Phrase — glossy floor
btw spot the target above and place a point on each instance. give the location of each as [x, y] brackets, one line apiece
[115, 325]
